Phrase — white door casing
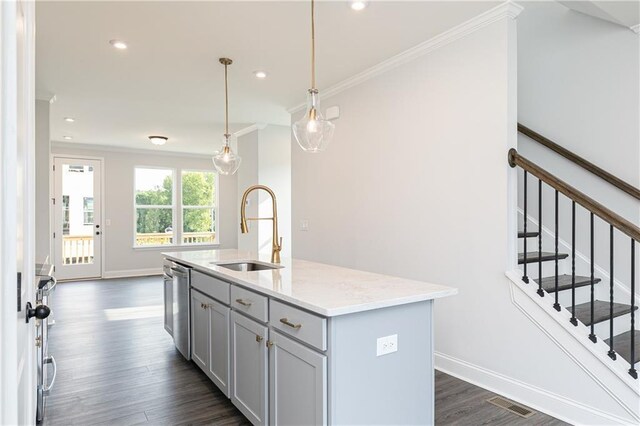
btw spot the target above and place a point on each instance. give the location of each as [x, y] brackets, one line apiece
[17, 214]
[84, 242]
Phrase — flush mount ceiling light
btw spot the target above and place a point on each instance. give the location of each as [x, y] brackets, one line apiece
[260, 74]
[158, 140]
[358, 5]
[313, 132]
[118, 44]
[225, 160]
[68, 138]
[69, 119]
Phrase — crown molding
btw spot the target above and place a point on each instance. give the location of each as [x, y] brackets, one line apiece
[507, 9]
[635, 29]
[72, 146]
[249, 129]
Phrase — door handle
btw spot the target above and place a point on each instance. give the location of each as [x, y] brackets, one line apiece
[40, 312]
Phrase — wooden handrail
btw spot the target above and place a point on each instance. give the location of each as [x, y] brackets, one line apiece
[588, 203]
[585, 164]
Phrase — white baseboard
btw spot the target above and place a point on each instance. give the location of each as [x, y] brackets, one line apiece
[539, 399]
[132, 273]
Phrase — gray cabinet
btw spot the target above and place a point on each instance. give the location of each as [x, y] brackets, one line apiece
[210, 338]
[297, 383]
[249, 368]
[168, 304]
[200, 330]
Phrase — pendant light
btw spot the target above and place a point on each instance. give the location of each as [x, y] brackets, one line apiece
[312, 131]
[225, 160]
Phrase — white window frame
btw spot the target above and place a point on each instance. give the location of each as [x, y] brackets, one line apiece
[174, 206]
[216, 207]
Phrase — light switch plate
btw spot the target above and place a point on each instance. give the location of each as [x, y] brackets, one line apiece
[107, 222]
[304, 225]
[386, 345]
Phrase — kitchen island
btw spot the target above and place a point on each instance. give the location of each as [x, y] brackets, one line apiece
[309, 343]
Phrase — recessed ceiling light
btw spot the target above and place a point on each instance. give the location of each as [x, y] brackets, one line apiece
[358, 5]
[69, 119]
[158, 140]
[260, 74]
[68, 138]
[118, 44]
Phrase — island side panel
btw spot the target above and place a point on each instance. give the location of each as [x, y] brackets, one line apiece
[397, 388]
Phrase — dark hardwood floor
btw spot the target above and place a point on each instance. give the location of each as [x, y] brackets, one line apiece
[117, 366]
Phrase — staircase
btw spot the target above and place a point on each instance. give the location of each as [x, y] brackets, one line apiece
[610, 319]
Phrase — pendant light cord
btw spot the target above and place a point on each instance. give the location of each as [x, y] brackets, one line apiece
[226, 105]
[313, 46]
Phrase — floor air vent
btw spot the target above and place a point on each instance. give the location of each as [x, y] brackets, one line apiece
[511, 406]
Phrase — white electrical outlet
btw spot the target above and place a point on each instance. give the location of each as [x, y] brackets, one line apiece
[386, 345]
[304, 225]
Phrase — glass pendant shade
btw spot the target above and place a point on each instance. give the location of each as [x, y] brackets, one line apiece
[226, 161]
[312, 131]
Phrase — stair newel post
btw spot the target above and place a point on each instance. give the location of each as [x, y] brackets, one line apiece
[573, 320]
[611, 353]
[632, 370]
[525, 278]
[592, 334]
[556, 305]
[540, 290]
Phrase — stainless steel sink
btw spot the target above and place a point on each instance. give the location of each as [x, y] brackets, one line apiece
[247, 266]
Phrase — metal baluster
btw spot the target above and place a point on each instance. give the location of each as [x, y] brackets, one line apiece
[632, 370]
[525, 278]
[573, 319]
[611, 353]
[540, 291]
[556, 305]
[592, 335]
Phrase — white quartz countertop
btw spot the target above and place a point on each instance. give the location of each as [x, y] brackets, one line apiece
[324, 289]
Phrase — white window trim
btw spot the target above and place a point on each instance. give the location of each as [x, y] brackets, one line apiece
[172, 207]
[216, 208]
[177, 207]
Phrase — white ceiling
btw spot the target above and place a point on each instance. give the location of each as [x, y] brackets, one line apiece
[169, 81]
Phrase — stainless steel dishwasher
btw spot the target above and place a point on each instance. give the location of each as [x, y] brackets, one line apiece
[181, 302]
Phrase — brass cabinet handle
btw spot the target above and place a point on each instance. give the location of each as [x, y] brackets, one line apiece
[243, 303]
[259, 338]
[290, 324]
[269, 343]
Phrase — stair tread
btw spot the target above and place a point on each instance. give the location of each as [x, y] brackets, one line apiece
[564, 282]
[622, 345]
[528, 234]
[532, 256]
[600, 311]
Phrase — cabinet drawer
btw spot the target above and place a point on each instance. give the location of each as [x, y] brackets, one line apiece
[250, 303]
[210, 286]
[302, 325]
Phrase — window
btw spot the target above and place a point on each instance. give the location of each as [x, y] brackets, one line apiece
[87, 210]
[65, 215]
[198, 207]
[154, 206]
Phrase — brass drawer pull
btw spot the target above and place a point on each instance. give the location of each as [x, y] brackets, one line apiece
[290, 324]
[243, 303]
[259, 338]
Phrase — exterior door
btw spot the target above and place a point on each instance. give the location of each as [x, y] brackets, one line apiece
[77, 229]
[17, 213]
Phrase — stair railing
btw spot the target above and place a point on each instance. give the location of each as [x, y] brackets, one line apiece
[585, 164]
[615, 222]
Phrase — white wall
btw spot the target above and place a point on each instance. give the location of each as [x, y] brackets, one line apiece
[43, 173]
[416, 184]
[579, 85]
[119, 256]
[266, 159]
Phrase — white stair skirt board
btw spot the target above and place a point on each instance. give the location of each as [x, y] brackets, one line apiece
[612, 376]
[533, 397]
